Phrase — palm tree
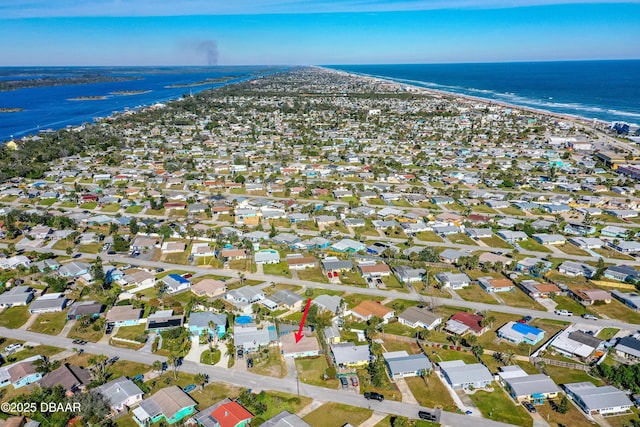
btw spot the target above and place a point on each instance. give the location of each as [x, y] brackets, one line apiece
[157, 366]
[200, 379]
[509, 358]
[173, 360]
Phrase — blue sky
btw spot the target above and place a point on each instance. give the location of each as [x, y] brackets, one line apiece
[197, 32]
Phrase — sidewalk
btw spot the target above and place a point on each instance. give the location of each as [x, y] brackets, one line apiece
[67, 328]
[309, 408]
[374, 419]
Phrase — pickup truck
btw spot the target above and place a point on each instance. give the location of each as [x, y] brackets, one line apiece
[563, 313]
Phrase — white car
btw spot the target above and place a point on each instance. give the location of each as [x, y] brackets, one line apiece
[563, 313]
[590, 317]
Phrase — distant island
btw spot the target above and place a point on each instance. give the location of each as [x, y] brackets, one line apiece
[129, 92]
[11, 110]
[203, 82]
[87, 98]
[8, 85]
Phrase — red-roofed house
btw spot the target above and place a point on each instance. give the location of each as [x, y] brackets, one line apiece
[463, 322]
[225, 413]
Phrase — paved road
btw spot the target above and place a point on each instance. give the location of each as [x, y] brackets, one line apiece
[253, 381]
[353, 289]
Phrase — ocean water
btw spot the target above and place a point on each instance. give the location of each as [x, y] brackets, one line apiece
[604, 90]
[52, 108]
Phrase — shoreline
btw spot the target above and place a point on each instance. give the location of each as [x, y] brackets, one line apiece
[584, 121]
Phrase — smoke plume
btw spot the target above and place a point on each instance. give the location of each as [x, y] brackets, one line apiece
[210, 49]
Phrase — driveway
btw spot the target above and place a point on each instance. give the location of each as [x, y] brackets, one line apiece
[407, 396]
[67, 328]
[196, 349]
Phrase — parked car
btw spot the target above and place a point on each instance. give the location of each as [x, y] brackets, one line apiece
[529, 407]
[239, 353]
[563, 313]
[354, 381]
[249, 363]
[370, 395]
[344, 382]
[189, 388]
[424, 415]
[590, 316]
[525, 319]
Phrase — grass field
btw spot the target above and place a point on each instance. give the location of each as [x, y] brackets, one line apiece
[134, 209]
[354, 299]
[280, 269]
[616, 310]
[210, 357]
[428, 236]
[512, 211]
[14, 317]
[270, 364]
[498, 406]
[431, 393]
[477, 294]
[462, 239]
[607, 333]
[340, 415]
[482, 208]
[352, 278]
[89, 205]
[90, 248]
[574, 417]
[496, 242]
[569, 304]
[532, 245]
[131, 332]
[311, 371]
[610, 253]
[561, 375]
[517, 298]
[571, 249]
[154, 211]
[87, 333]
[112, 207]
[49, 323]
[312, 274]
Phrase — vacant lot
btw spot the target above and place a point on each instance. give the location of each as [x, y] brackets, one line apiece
[269, 363]
[337, 415]
[49, 323]
[430, 392]
[311, 370]
[14, 317]
[499, 407]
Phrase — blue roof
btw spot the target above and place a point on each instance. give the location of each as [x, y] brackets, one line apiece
[525, 329]
[178, 278]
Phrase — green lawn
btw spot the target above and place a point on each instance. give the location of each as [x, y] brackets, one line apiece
[311, 370]
[354, 299]
[47, 202]
[340, 415]
[49, 323]
[616, 310]
[280, 269]
[209, 357]
[113, 207]
[128, 369]
[87, 333]
[569, 304]
[312, 274]
[574, 417]
[562, 375]
[134, 209]
[155, 211]
[428, 236]
[517, 298]
[393, 284]
[62, 245]
[482, 208]
[532, 245]
[430, 392]
[496, 242]
[610, 253]
[571, 249]
[512, 211]
[14, 317]
[607, 333]
[462, 239]
[397, 328]
[135, 333]
[89, 205]
[500, 407]
[90, 248]
[68, 204]
[277, 402]
[352, 278]
[477, 294]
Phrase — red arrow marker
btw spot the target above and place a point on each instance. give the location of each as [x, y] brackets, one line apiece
[298, 334]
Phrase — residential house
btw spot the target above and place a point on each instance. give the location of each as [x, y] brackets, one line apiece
[630, 299]
[462, 323]
[349, 355]
[593, 400]
[416, 317]
[212, 324]
[48, 303]
[512, 236]
[491, 284]
[402, 365]
[21, 373]
[586, 242]
[533, 266]
[539, 290]
[628, 348]
[209, 288]
[452, 256]
[163, 319]
[462, 376]
[348, 245]
[245, 295]
[71, 378]
[175, 283]
[374, 270]
[453, 280]
[519, 332]
[84, 308]
[124, 315]
[267, 256]
[299, 262]
[284, 298]
[232, 254]
[331, 334]
[170, 404]
[250, 338]
[227, 413]
[574, 269]
[523, 387]
[591, 296]
[622, 273]
[16, 296]
[479, 233]
[406, 274]
[286, 419]
[549, 239]
[577, 344]
[368, 309]
[308, 346]
[331, 303]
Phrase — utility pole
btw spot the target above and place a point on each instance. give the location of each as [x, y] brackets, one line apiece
[298, 384]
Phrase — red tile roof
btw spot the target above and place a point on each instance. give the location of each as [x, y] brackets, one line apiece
[471, 320]
[231, 414]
